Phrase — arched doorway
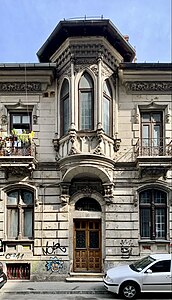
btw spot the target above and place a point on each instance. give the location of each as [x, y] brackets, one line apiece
[87, 238]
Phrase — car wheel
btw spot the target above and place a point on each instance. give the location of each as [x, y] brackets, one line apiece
[129, 290]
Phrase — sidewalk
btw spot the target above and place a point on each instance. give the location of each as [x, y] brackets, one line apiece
[60, 287]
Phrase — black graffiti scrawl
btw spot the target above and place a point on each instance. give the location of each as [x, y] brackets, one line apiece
[49, 250]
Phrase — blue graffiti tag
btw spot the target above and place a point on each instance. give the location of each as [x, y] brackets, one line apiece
[54, 264]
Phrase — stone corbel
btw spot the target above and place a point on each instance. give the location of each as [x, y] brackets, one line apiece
[3, 112]
[116, 145]
[135, 198]
[73, 138]
[35, 116]
[56, 142]
[98, 149]
[108, 192]
[64, 192]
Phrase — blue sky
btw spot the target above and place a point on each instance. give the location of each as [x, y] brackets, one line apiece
[26, 24]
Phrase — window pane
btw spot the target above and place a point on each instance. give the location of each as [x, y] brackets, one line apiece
[80, 239]
[12, 198]
[85, 82]
[27, 197]
[86, 110]
[145, 223]
[145, 197]
[106, 115]
[16, 119]
[160, 197]
[161, 266]
[12, 223]
[160, 223]
[64, 89]
[26, 119]
[28, 219]
[145, 117]
[145, 135]
[156, 117]
[94, 239]
[66, 115]
[107, 89]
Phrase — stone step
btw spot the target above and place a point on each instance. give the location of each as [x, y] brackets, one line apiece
[85, 277]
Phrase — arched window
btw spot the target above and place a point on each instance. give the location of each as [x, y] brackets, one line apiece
[107, 107]
[87, 204]
[153, 214]
[64, 107]
[20, 208]
[86, 103]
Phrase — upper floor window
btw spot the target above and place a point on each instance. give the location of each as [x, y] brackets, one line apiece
[20, 121]
[20, 206]
[64, 107]
[153, 214]
[152, 133]
[86, 103]
[107, 100]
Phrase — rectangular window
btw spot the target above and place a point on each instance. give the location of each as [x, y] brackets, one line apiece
[153, 214]
[20, 208]
[106, 115]
[86, 110]
[152, 134]
[21, 122]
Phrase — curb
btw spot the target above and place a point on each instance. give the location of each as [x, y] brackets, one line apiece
[55, 292]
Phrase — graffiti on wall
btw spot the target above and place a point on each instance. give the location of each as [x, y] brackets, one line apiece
[54, 264]
[126, 248]
[14, 255]
[51, 249]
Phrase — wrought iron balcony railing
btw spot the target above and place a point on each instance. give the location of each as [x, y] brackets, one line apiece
[153, 147]
[18, 149]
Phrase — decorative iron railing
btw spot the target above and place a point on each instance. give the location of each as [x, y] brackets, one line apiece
[18, 271]
[153, 147]
[18, 149]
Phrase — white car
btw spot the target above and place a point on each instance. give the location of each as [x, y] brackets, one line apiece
[150, 274]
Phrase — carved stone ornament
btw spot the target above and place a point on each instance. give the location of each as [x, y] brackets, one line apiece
[153, 172]
[64, 189]
[149, 86]
[4, 120]
[108, 192]
[20, 87]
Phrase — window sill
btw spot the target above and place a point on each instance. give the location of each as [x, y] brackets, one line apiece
[154, 241]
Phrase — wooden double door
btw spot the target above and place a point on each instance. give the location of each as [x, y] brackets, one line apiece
[87, 246]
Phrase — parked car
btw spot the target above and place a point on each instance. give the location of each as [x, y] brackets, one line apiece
[3, 276]
[149, 274]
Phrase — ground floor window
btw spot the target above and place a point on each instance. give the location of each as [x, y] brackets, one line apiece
[153, 214]
[18, 271]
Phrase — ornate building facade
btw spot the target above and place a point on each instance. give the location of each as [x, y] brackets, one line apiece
[85, 155]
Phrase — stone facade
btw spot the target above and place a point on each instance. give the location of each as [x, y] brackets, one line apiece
[94, 188]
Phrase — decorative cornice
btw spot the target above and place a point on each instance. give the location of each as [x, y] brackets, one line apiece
[149, 86]
[23, 87]
[86, 53]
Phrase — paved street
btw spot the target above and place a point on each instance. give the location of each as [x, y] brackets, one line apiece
[76, 297]
[28, 290]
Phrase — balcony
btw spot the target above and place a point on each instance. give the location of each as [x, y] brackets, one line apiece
[153, 156]
[90, 142]
[17, 158]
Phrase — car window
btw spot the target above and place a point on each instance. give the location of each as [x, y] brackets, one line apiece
[161, 266]
[139, 265]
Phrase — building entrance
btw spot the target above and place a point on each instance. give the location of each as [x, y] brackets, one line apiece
[87, 246]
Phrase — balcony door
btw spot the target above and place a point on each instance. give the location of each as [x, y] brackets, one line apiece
[151, 134]
[87, 246]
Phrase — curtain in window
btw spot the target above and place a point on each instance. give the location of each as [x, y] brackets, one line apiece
[64, 107]
[107, 100]
[86, 103]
